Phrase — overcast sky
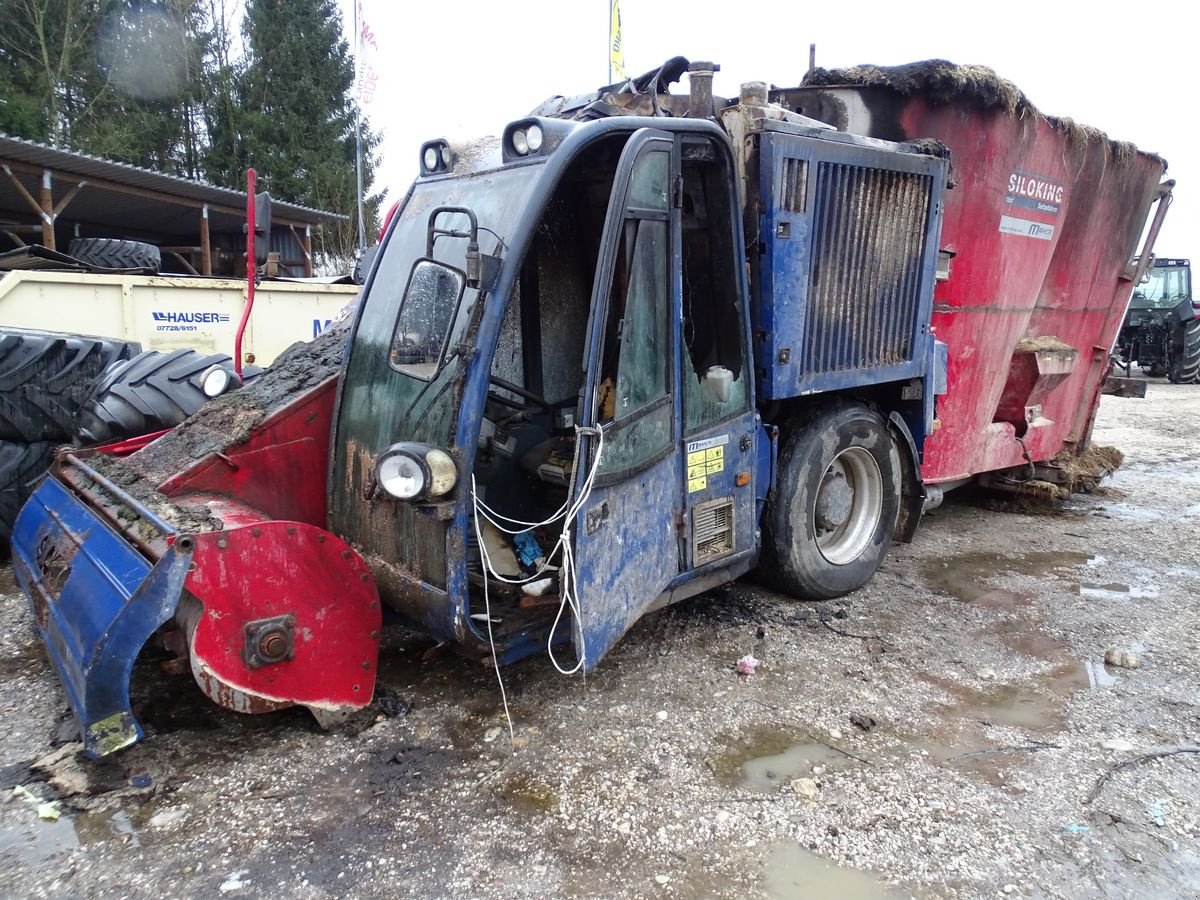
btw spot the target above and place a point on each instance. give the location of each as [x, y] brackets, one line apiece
[464, 69]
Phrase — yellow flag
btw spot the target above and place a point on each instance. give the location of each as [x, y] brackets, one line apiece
[616, 55]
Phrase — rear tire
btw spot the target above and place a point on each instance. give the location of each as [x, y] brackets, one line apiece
[45, 377]
[111, 253]
[21, 465]
[1185, 365]
[830, 520]
[148, 393]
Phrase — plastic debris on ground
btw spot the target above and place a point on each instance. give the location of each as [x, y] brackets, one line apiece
[46, 810]
[1157, 811]
[746, 665]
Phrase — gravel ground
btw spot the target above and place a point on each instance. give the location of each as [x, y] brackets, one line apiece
[936, 734]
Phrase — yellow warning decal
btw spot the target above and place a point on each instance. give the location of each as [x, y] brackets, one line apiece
[705, 458]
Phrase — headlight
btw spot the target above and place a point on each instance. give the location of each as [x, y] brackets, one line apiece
[410, 471]
[533, 138]
[436, 157]
[217, 379]
[520, 142]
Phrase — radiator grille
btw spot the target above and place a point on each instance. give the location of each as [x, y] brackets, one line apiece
[794, 185]
[867, 248]
[712, 529]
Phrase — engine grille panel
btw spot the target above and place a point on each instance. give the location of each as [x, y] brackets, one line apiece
[868, 245]
[712, 530]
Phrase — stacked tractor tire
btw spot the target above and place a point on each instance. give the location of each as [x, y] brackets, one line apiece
[61, 389]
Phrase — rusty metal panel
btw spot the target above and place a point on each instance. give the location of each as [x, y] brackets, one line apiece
[845, 263]
[1044, 219]
[876, 219]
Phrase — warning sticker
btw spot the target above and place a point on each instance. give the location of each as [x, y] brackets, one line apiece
[705, 458]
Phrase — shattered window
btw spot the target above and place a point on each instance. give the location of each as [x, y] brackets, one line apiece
[634, 386]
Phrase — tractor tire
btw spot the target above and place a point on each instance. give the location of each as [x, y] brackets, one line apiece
[1185, 365]
[21, 465]
[111, 253]
[830, 520]
[148, 393]
[44, 378]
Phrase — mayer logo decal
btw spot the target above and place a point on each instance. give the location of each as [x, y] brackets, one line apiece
[1034, 202]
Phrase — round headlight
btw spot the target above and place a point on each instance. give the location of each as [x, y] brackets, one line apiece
[442, 472]
[533, 137]
[520, 142]
[401, 476]
[446, 157]
[431, 159]
[216, 381]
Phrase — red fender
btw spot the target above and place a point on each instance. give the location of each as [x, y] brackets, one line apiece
[290, 616]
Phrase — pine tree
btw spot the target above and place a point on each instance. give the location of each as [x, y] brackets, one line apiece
[292, 115]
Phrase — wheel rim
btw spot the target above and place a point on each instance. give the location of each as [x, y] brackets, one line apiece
[848, 505]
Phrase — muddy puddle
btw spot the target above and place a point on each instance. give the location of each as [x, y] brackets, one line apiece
[793, 873]
[529, 794]
[770, 759]
[965, 576]
[1036, 706]
[1115, 591]
[40, 842]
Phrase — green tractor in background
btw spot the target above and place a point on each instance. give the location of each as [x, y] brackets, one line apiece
[1161, 332]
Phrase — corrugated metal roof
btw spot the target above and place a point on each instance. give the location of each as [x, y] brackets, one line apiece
[88, 166]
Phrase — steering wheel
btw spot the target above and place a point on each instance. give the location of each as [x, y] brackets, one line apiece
[532, 398]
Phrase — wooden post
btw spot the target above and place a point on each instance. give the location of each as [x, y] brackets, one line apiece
[47, 212]
[205, 247]
[306, 244]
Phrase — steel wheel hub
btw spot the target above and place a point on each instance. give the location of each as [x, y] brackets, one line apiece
[848, 505]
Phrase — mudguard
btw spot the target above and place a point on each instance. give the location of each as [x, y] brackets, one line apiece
[96, 601]
[276, 613]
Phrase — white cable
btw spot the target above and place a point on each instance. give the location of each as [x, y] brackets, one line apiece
[487, 608]
[568, 577]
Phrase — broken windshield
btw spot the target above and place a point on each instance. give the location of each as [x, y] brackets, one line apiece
[425, 301]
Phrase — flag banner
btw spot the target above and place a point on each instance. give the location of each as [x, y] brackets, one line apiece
[616, 55]
[366, 57]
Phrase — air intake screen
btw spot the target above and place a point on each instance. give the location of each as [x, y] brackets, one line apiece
[712, 529]
[794, 185]
[868, 242]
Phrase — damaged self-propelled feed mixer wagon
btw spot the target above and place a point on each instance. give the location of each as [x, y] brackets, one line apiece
[638, 345]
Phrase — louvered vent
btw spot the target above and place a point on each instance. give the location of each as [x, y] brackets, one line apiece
[794, 185]
[712, 529]
[868, 245]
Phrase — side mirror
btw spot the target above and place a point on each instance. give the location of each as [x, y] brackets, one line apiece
[262, 227]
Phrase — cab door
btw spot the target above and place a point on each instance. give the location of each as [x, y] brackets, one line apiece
[627, 538]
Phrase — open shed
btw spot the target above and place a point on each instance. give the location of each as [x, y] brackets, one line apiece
[49, 196]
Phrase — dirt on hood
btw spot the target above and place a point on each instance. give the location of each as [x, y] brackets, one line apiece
[222, 424]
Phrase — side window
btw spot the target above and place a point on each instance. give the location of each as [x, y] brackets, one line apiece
[634, 386]
[716, 376]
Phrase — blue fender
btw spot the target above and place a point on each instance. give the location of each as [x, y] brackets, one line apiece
[96, 601]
